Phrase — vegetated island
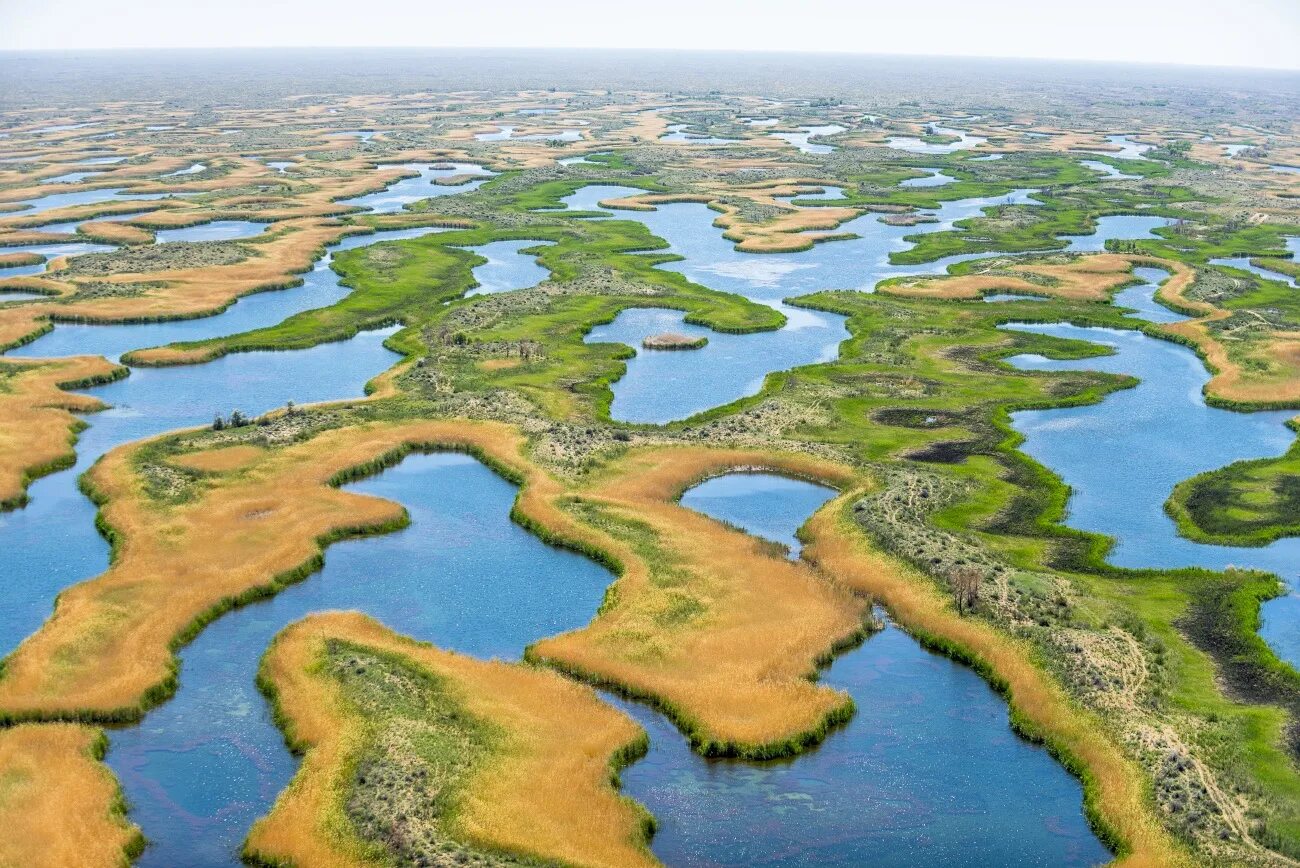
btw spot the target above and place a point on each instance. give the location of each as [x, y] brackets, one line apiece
[673, 341]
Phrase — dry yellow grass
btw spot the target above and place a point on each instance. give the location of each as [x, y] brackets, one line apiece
[547, 793]
[1087, 278]
[114, 232]
[108, 642]
[1230, 379]
[1116, 788]
[189, 291]
[36, 422]
[9, 260]
[58, 803]
[734, 672]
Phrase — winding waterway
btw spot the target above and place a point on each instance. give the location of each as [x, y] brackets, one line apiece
[1165, 433]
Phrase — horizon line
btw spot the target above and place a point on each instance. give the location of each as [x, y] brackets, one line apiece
[649, 50]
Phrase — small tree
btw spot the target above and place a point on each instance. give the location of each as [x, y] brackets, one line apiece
[218, 423]
[238, 419]
[965, 582]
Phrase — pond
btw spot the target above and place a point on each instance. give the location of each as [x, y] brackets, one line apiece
[919, 146]
[1244, 263]
[676, 133]
[936, 178]
[801, 139]
[507, 268]
[396, 196]
[1111, 173]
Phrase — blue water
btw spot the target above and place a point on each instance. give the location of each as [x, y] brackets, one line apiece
[661, 387]
[1128, 149]
[42, 204]
[49, 251]
[218, 230]
[70, 177]
[987, 158]
[151, 401]
[581, 160]
[827, 193]
[801, 139]
[399, 194]
[1165, 433]
[506, 133]
[1114, 228]
[917, 145]
[766, 505]
[1108, 170]
[203, 766]
[320, 288]
[1010, 296]
[1141, 297]
[936, 178]
[1244, 263]
[221, 230]
[506, 268]
[192, 169]
[677, 134]
[1289, 170]
[927, 772]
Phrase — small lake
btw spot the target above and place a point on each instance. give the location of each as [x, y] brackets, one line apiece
[396, 196]
[217, 230]
[660, 387]
[262, 309]
[677, 134]
[801, 139]
[42, 204]
[507, 268]
[1244, 263]
[505, 133]
[1111, 173]
[1127, 148]
[916, 145]
[936, 178]
[71, 177]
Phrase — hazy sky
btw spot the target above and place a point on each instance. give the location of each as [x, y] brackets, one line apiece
[1262, 33]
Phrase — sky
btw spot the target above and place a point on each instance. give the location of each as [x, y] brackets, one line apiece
[1259, 33]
